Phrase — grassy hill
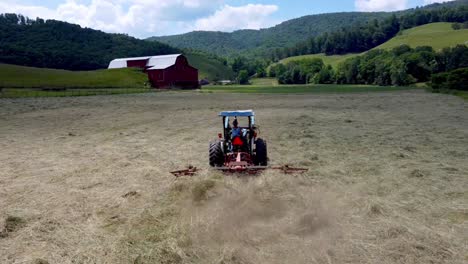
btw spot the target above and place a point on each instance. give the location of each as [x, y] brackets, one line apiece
[332, 60]
[436, 35]
[13, 76]
[209, 68]
[264, 82]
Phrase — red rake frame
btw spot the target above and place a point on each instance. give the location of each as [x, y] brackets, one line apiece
[190, 171]
[239, 165]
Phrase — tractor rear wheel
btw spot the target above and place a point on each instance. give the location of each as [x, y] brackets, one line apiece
[216, 154]
[261, 158]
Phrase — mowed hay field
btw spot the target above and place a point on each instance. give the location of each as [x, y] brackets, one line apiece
[86, 180]
[437, 35]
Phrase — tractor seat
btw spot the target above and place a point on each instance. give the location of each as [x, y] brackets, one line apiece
[237, 142]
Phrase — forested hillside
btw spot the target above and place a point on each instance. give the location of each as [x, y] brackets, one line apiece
[61, 45]
[356, 39]
[261, 41]
[436, 35]
[294, 37]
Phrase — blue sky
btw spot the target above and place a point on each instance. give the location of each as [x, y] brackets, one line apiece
[144, 18]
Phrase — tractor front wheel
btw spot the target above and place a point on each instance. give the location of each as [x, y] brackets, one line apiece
[216, 154]
[261, 158]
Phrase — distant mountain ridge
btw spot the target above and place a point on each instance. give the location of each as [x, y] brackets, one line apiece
[282, 35]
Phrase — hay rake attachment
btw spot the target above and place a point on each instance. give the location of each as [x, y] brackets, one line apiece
[241, 168]
[189, 171]
[286, 169]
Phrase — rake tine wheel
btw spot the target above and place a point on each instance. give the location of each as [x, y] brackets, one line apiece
[190, 171]
[290, 170]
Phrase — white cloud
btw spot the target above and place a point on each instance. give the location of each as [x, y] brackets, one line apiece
[141, 18]
[27, 10]
[380, 5]
[229, 18]
[427, 2]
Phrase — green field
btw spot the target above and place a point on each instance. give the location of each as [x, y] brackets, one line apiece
[13, 76]
[27, 92]
[289, 89]
[209, 68]
[264, 81]
[462, 94]
[332, 60]
[436, 35]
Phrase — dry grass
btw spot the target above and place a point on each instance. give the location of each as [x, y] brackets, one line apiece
[88, 179]
[268, 219]
[12, 223]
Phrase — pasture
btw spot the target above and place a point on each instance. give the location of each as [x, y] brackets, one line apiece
[86, 180]
[14, 76]
[332, 60]
[436, 35]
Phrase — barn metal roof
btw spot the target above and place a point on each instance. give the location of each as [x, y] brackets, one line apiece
[237, 113]
[162, 62]
[154, 62]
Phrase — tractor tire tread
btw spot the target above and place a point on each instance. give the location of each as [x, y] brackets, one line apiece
[216, 154]
[261, 155]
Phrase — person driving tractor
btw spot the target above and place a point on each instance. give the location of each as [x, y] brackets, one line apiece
[236, 131]
[237, 137]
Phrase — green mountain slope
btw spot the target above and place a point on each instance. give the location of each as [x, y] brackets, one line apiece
[285, 34]
[436, 35]
[296, 31]
[209, 68]
[14, 76]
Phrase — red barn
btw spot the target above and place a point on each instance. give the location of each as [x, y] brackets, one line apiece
[164, 71]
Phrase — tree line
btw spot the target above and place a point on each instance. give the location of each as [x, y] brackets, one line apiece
[400, 66]
[359, 38]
